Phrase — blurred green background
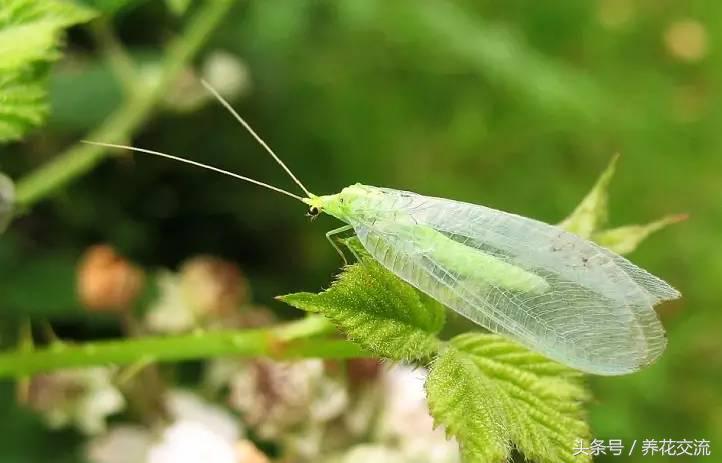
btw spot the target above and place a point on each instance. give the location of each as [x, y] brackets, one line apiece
[516, 105]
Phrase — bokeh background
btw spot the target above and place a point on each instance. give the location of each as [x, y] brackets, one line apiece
[515, 105]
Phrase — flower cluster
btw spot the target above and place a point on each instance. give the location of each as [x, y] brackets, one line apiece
[306, 410]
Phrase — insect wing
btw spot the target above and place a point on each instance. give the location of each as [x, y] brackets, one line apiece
[595, 314]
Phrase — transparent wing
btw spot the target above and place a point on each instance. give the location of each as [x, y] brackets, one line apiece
[594, 312]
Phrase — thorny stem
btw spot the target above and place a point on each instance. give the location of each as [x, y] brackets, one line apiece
[290, 341]
[120, 125]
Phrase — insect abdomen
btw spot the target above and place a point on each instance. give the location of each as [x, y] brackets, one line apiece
[475, 264]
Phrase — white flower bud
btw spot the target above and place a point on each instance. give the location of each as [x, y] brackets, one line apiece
[81, 398]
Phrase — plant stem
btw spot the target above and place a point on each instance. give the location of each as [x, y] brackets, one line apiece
[120, 125]
[120, 62]
[294, 340]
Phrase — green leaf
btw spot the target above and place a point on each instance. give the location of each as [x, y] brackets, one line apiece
[378, 311]
[22, 102]
[624, 240]
[491, 393]
[30, 33]
[30, 30]
[591, 215]
[592, 212]
[7, 200]
[464, 401]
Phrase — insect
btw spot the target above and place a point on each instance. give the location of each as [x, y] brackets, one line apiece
[555, 292]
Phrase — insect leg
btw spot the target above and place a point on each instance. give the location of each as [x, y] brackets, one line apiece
[334, 232]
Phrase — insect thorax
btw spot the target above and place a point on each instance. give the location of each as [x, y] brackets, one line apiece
[352, 203]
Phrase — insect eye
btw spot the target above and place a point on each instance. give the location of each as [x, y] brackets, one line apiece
[313, 211]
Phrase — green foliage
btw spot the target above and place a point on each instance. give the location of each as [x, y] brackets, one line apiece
[23, 98]
[490, 392]
[487, 391]
[29, 38]
[379, 311]
[590, 218]
[7, 199]
[419, 106]
[593, 211]
[464, 401]
[627, 238]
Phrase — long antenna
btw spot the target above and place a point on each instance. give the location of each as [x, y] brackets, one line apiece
[255, 135]
[197, 164]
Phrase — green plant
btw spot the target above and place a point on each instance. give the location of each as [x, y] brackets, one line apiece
[31, 33]
[488, 392]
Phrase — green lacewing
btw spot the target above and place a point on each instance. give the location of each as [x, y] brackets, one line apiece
[554, 292]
